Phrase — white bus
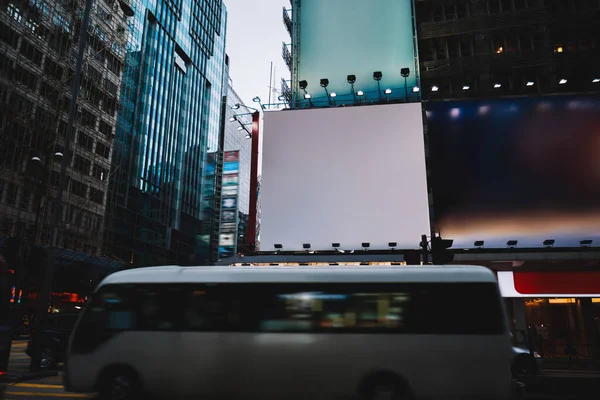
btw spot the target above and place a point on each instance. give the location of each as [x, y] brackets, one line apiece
[397, 332]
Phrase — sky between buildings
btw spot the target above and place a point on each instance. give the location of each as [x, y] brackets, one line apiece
[255, 33]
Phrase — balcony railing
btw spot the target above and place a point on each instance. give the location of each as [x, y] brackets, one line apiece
[287, 56]
[490, 63]
[287, 21]
[480, 23]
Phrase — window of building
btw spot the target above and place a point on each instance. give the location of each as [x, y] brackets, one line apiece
[25, 77]
[106, 129]
[82, 164]
[78, 188]
[25, 199]
[87, 118]
[525, 42]
[453, 48]
[97, 196]
[85, 141]
[462, 10]
[52, 68]
[49, 93]
[449, 12]
[494, 6]
[465, 47]
[102, 150]
[31, 52]
[519, 4]
[99, 172]
[11, 194]
[506, 5]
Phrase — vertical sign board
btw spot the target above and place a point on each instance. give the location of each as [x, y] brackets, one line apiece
[229, 204]
[202, 250]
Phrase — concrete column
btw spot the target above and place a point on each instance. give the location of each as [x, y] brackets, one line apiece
[520, 322]
[592, 335]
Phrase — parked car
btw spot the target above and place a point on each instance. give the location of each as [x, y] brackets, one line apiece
[55, 339]
[525, 363]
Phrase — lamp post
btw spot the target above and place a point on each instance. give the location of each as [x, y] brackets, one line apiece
[46, 288]
[405, 72]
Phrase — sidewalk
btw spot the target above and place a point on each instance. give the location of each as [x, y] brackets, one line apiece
[18, 365]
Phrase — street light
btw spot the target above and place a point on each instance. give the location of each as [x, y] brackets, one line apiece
[405, 72]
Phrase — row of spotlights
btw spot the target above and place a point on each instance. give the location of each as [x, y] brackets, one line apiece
[336, 246]
[359, 93]
[545, 243]
[499, 85]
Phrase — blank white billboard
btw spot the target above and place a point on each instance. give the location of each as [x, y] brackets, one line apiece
[344, 175]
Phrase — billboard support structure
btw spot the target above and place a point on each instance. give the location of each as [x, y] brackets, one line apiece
[252, 217]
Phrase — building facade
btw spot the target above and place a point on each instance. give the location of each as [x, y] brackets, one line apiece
[507, 47]
[176, 69]
[38, 51]
[240, 141]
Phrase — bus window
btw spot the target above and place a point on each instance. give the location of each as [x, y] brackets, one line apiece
[110, 311]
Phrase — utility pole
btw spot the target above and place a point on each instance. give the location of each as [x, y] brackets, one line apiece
[424, 249]
[46, 289]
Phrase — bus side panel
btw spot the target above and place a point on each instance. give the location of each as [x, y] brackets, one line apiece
[152, 355]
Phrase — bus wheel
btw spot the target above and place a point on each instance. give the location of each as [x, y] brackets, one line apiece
[386, 387]
[120, 384]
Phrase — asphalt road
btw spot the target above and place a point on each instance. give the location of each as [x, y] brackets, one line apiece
[52, 387]
[47, 388]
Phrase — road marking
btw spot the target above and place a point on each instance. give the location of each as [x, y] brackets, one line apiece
[46, 394]
[39, 385]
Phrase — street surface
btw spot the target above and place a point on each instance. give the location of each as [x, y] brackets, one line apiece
[46, 388]
[52, 387]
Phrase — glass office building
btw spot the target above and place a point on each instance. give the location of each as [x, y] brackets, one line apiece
[170, 118]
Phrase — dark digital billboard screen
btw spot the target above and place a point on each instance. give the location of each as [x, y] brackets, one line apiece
[524, 169]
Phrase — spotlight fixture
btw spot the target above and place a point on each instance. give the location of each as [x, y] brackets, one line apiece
[405, 72]
[434, 88]
[36, 159]
[479, 243]
[388, 91]
[306, 246]
[281, 98]
[466, 87]
[240, 128]
[586, 243]
[562, 81]
[595, 80]
[360, 93]
[303, 85]
[333, 95]
[497, 85]
[377, 75]
[335, 245]
[256, 99]
[548, 243]
[366, 245]
[278, 246]
[530, 83]
[236, 106]
[324, 83]
[512, 243]
[351, 79]
[392, 245]
[416, 89]
[233, 119]
[307, 96]
[248, 136]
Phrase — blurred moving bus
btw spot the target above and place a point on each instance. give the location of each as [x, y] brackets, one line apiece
[397, 332]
